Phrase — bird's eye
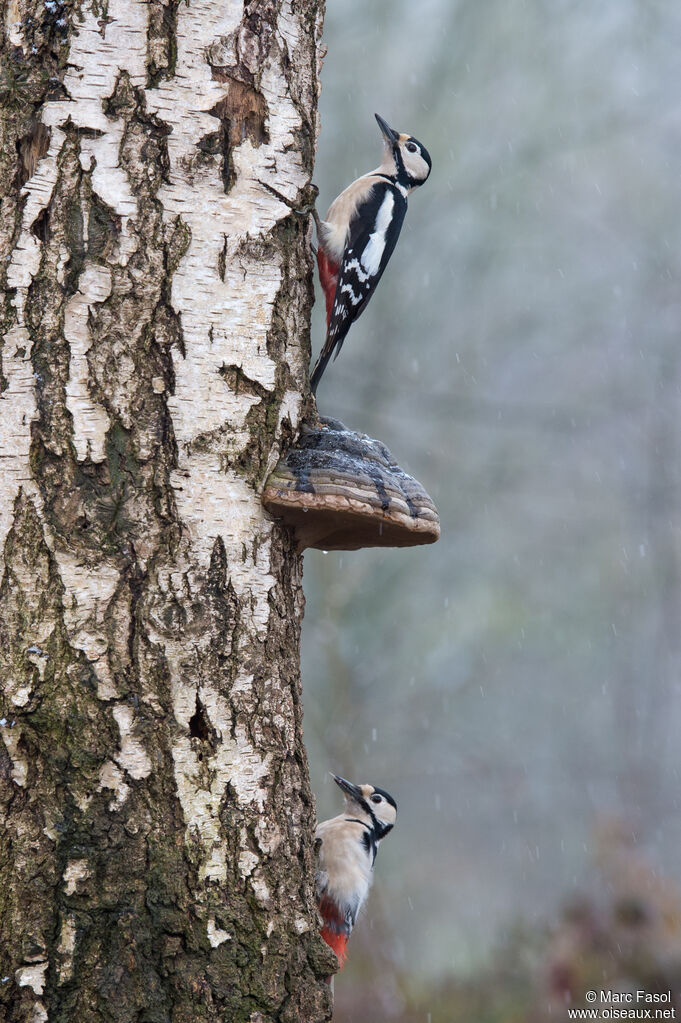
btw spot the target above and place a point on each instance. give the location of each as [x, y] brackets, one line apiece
[376, 798]
[412, 147]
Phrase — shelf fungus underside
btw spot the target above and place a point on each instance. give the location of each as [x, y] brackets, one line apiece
[340, 490]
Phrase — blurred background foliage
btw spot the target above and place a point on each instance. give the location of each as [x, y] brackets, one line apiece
[516, 686]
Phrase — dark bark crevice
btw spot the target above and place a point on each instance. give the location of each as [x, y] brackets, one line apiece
[161, 41]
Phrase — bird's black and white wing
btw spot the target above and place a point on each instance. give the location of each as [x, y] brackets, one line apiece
[374, 231]
[372, 236]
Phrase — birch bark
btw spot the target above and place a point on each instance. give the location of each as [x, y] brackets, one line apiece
[157, 858]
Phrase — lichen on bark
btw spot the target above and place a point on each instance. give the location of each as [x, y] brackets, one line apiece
[155, 310]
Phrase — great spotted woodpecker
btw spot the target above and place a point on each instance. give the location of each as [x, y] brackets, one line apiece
[347, 847]
[360, 231]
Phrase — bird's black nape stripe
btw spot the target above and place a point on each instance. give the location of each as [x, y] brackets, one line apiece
[366, 807]
[400, 169]
[381, 830]
[386, 796]
[377, 829]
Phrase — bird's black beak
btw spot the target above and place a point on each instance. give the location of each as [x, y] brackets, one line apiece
[354, 791]
[389, 134]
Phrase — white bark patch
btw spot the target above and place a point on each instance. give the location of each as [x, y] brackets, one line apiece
[216, 936]
[234, 763]
[90, 421]
[11, 738]
[261, 892]
[111, 777]
[223, 322]
[81, 801]
[13, 24]
[245, 766]
[66, 948]
[89, 591]
[213, 503]
[218, 317]
[32, 976]
[94, 63]
[37, 656]
[133, 757]
[50, 830]
[20, 696]
[17, 412]
[39, 1013]
[75, 871]
[248, 861]
[202, 785]
[268, 836]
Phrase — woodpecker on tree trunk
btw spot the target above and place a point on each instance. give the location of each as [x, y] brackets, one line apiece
[347, 847]
[359, 233]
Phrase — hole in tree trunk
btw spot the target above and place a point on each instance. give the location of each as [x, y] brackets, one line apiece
[40, 228]
[198, 724]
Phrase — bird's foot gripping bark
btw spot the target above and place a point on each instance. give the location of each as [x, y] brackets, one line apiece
[305, 207]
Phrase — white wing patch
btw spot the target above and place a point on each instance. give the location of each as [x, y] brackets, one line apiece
[371, 256]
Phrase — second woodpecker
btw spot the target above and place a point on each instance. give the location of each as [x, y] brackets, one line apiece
[359, 233]
[347, 852]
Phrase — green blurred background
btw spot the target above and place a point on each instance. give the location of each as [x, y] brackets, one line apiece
[516, 686]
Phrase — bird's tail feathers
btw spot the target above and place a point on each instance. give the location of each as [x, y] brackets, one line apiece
[332, 346]
[337, 347]
[320, 365]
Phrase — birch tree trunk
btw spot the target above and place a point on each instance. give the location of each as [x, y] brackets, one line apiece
[156, 859]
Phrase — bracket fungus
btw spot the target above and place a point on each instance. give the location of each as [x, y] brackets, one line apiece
[340, 490]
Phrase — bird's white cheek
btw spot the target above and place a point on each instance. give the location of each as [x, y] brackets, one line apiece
[416, 167]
